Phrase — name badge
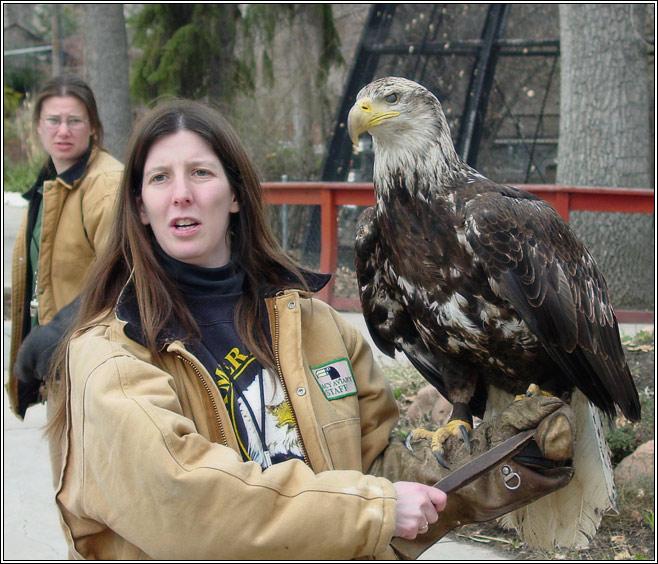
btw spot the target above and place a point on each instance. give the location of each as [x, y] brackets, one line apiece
[336, 379]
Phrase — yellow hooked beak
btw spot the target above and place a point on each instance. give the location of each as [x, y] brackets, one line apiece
[364, 115]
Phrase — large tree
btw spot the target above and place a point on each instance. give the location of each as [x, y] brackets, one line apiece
[606, 137]
[106, 71]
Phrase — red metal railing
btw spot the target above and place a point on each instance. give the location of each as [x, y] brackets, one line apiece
[330, 195]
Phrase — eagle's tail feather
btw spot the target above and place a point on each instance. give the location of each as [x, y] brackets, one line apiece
[533, 522]
[571, 516]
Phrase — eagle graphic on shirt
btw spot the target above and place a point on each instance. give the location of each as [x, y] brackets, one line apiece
[261, 416]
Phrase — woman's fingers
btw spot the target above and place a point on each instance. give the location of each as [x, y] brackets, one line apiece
[418, 506]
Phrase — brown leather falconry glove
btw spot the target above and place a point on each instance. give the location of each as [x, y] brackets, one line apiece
[503, 477]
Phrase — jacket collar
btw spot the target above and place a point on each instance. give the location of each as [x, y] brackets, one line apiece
[69, 177]
[127, 310]
[314, 280]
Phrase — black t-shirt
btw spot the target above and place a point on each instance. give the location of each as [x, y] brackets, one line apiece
[211, 294]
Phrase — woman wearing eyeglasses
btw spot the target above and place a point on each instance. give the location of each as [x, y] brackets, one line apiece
[66, 221]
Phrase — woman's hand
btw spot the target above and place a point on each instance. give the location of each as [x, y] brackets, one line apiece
[418, 507]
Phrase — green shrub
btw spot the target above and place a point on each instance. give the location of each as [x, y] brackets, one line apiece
[18, 177]
[644, 338]
[23, 153]
[10, 100]
[624, 437]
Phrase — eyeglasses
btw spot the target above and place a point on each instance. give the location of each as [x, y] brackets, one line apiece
[74, 124]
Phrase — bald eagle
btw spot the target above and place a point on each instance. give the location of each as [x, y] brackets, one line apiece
[486, 290]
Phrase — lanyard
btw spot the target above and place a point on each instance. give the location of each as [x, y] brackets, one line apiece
[260, 430]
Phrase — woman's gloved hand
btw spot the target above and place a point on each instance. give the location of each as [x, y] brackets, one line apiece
[34, 358]
[542, 467]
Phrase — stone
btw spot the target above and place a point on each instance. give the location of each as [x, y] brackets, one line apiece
[429, 404]
[637, 468]
[441, 411]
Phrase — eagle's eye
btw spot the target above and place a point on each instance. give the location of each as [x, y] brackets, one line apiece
[392, 98]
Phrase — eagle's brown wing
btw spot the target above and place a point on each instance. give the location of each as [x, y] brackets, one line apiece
[535, 261]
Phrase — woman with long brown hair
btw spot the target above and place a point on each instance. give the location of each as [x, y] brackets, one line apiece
[208, 407]
[65, 223]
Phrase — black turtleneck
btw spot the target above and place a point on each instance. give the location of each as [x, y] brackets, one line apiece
[211, 295]
[200, 281]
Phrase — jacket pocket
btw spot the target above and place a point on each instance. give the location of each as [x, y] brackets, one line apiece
[344, 443]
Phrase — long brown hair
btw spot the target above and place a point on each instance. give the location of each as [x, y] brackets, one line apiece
[70, 85]
[129, 255]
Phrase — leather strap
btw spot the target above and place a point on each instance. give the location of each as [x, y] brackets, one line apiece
[475, 468]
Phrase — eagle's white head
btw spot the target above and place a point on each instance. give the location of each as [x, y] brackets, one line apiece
[410, 132]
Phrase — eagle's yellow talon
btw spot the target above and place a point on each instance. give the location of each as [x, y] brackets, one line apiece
[440, 435]
[437, 438]
[423, 433]
[532, 391]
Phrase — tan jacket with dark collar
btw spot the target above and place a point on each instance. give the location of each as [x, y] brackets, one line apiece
[151, 466]
[76, 220]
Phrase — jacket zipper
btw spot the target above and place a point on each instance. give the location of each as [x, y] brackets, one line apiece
[283, 383]
[212, 400]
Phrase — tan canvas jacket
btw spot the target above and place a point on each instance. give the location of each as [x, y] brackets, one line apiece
[76, 219]
[151, 466]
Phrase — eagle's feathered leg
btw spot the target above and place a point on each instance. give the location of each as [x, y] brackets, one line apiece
[460, 422]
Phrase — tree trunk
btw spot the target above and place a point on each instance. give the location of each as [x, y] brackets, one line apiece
[222, 65]
[605, 138]
[302, 43]
[106, 70]
[56, 40]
